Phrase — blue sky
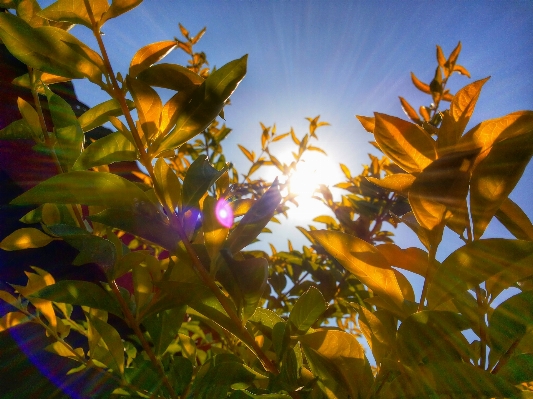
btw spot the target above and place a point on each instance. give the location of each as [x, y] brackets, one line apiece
[339, 59]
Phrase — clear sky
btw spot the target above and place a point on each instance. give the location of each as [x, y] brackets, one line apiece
[339, 59]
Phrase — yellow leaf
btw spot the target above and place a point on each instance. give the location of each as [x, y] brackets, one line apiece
[12, 319]
[170, 183]
[74, 11]
[412, 259]
[420, 85]
[425, 113]
[409, 111]
[30, 116]
[365, 262]
[461, 69]
[214, 232]
[27, 237]
[149, 55]
[405, 286]
[441, 59]
[280, 137]
[399, 182]
[148, 106]
[247, 153]
[345, 354]
[368, 122]
[452, 59]
[7, 297]
[407, 144]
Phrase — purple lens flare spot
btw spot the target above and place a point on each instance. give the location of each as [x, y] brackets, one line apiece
[224, 213]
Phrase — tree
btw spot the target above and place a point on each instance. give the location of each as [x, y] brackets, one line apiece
[186, 311]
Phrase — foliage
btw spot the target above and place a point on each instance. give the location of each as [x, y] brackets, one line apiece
[207, 319]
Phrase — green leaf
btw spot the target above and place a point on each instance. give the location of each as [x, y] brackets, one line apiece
[474, 263]
[74, 11]
[378, 334]
[206, 103]
[442, 185]
[245, 280]
[454, 379]
[31, 117]
[50, 49]
[114, 147]
[67, 130]
[144, 222]
[199, 177]
[144, 376]
[99, 114]
[180, 373]
[255, 220]
[164, 327]
[432, 336]
[509, 323]
[495, 177]
[119, 7]
[265, 319]
[218, 379]
[93, 249]
[87, 188]
[338, 358]
[80, 293]
[17, 130]
[27, 237]
[365, 262]
[113, 342]
[518, 369]
[281, 338]
[307, 309]
[407, 144]
[171, 76]
[515, 220]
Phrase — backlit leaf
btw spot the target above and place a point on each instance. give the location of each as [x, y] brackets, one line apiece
[31, 117]
[80, 293]
[247, 153]
[462, 70]
[515, 220]
[307, 309]
[419, 85]
[148, 105]
[170, 76]
[474, 263]
[206, 103]
[343, 355]
[149, 55]
[378, 336]
[114, 147]
[99, 114]
[441, 185]
[368, 122]
[365, 262]
[399, 182]
[255, 220]
[412, 259]
[170, 183]
[214, 233]
[409, 111]
[119, 7]
[407, 144]
[171, 111]
[27, 237]
[441, 59]
[74, 11]
[495, 177]
[49, 49]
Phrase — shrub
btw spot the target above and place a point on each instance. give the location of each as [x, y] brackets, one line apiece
[186, 311]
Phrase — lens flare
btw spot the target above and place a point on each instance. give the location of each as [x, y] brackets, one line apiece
[224, 213]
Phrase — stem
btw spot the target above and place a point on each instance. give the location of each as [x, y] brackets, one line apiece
[429, 275]
[133, 324]
[146, 162]
[482, 329]
[506, 356]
